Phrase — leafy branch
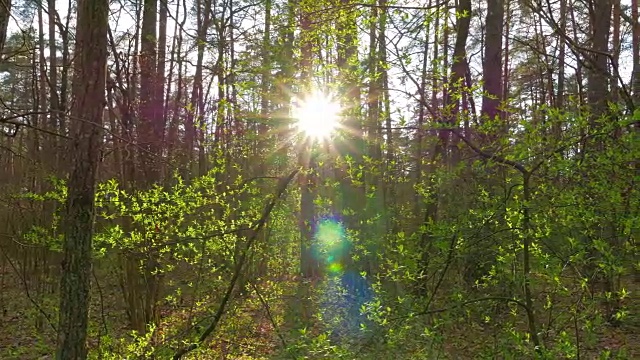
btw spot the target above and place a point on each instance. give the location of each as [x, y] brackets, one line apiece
[253, 234]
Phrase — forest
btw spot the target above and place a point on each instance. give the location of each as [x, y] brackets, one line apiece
[319, 179]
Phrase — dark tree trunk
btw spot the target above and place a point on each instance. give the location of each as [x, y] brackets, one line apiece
[5, 15]
[636, 52]
[492, 65]
[89, 92]
[151, 127]
[598, 75]
[306, 221]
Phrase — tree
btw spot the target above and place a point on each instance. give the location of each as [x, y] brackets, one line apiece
[492, 66]
[5, 14]
[89, 92]
[598, 75]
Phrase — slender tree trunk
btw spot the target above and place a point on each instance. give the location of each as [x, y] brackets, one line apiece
[177, 102]
[202, 14]
[42, 90]
[264, 86]
[505, 68]
[63, 165]
[159, 103]
[560, 94]
[54, 101]
[5, 15]
[451, 106]
[615, 50]
[169, 141]
[306, 221]
[89, 93]
[422, 113]
[385, 103]
[636, 51]
[352, 142]
[374, 201]
[150, 130]
[561, 60]
[579, 67]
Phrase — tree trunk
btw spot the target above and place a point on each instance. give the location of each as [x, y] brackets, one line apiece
[458, 72]
[422, 113]
[615, 50]
[203, 11]
[636, 51]
[351, 143]
[5, 15]
[598, 75]
[264, 87]
[492, 65]
[306, 221]
[161, 115]
[54, 101]
[151, 129]
[89, 93]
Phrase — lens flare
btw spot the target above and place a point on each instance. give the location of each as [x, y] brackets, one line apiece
[331, 244]
[317, 115]
[344, 293]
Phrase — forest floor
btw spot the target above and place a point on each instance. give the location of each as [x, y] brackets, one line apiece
[27, 333]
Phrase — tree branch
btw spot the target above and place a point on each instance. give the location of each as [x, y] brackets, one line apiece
[255, 230]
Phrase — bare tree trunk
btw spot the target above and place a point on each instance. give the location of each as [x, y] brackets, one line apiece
[54, 101]
[63, 163]
[177, 106]
[306, 221]
[264, 86]
[616, 43]
[150, 130]
[492, 65]
[598, 92]
[161, 115]
[374, 205]
[422, 113]
[561, 59]
[5, 15]
[385, 103]
[636, 51]
[42, 88]
[458, 71]
[89, 93]
[579, 67]
[203, 11]
[505, 71]
[351, 143]
[450, 109]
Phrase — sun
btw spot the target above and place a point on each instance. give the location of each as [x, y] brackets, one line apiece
[317, 115]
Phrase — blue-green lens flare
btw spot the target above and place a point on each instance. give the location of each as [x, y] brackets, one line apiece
[331, 244]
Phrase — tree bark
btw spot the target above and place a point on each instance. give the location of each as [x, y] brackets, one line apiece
[598, 75]
[151, 129]
[5, 15]
[89, 92]
[265, 81]
[492, 65]
[636, 51]
[306, 221]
